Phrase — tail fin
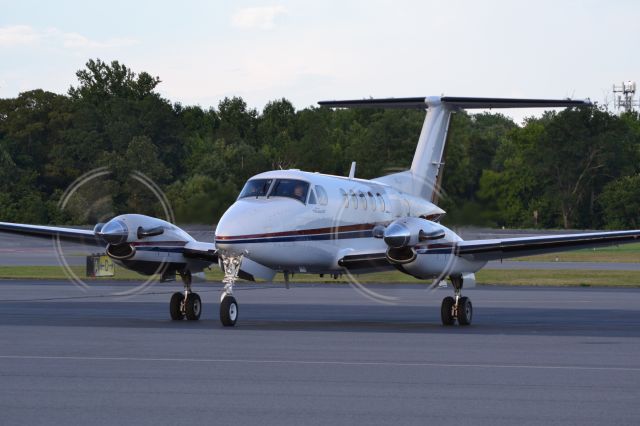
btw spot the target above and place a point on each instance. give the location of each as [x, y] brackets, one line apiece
[424, 176]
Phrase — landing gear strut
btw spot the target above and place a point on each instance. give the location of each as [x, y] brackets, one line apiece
[186, 304]
[458, 307]
[228, 304]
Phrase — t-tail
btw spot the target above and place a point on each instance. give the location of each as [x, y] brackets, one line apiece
[425, 175]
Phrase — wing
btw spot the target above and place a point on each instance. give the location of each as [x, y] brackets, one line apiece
[525, 246]
[84, 236]
[495, 249]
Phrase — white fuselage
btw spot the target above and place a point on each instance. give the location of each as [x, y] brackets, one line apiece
[336, 219]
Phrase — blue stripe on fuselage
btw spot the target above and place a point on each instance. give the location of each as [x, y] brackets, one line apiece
[289, 238]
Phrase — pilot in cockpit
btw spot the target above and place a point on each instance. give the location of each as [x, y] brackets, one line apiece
[298, 192]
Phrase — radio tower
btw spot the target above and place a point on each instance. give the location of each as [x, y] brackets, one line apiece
[623, 96]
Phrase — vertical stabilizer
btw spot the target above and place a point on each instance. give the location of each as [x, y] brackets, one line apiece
[423, 177]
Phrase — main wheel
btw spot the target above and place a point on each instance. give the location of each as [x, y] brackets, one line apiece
[446, 311]
[193, 307]
[175, 306]
[465, 311]
[228, 311]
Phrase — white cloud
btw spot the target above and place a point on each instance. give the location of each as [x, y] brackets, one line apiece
[75, 40]
[15, 35]
[20, 35]
[262, 18]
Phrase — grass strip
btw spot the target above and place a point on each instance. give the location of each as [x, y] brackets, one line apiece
[524, 277]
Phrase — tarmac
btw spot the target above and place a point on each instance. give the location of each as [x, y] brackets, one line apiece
[318, 355]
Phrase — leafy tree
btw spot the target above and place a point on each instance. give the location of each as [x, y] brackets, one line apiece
[237, 121]
[201, 199]
[101, 81]
[551, 171]
[621, 203]
[565, 169]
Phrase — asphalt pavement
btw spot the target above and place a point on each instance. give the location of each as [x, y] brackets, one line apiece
[318, 354]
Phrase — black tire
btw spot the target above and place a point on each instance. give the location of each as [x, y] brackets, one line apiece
[465, 311]
[446, 311]
[175, 308]
[228, 311]
[193, 307]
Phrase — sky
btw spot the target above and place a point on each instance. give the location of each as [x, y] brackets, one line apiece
[306, 51]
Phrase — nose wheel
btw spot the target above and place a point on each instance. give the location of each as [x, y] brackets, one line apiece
[456, 308]
[228, 311]
[187, 304]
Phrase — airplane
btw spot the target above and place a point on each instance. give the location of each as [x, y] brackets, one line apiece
[292, 221]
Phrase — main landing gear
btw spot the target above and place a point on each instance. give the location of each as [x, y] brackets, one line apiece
[228, 303]
[458, 308]
[185, 305]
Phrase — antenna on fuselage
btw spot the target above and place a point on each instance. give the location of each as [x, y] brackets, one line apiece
[352, 172]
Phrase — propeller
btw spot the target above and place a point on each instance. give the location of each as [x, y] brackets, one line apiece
[114, 232]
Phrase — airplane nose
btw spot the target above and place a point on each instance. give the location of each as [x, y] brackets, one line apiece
[114, 232]
[244, 220]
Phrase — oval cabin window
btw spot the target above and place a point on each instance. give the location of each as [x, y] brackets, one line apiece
[354, 199]
[345, 198]
[363, 200]
[372, 201]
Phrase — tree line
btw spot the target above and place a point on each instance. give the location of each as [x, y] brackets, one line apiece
[577, 168]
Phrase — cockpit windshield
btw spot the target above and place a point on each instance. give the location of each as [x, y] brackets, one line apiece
[291, 188]
[256, 188]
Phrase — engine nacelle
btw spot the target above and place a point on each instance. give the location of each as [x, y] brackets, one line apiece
[426, 250]
[146, 244]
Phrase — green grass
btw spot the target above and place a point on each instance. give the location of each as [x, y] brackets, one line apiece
[56, 272]
[527, 277]
[561, 277]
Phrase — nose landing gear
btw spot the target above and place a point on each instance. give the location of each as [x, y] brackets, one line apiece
[187, 304]
[228, 304]
[458, 308]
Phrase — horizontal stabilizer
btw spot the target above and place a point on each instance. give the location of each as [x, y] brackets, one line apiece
[469, 103]
[456, 102]
[398, 103]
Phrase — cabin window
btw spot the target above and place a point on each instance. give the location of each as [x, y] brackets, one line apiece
[256, 188]
[354, 199]
[291, 188]
[323, 198]
[363, 200]
[345, 198]
[372, 201]
[312, 197]
[380, 202]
